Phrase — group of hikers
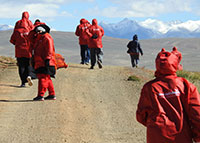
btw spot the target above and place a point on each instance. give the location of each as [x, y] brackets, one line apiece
[169, 106]
[90, 40]
[34, 47]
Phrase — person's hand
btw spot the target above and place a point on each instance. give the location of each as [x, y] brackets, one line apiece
[94, 36]
[46, 62]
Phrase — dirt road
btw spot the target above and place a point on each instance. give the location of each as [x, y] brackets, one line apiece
[92, 106]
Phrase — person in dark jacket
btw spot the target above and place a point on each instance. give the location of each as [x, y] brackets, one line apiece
[45, 63]
[23, 54]
[134, 49]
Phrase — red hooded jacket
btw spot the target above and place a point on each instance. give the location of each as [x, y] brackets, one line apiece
[43, 50]
[81, 31]
[19, 37]
[179, 55]
[32, 35]
[169, 106]
[97, 30]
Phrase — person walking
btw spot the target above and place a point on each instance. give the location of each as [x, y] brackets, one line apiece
[133, 50]
[169, 106]
[32, 37]
[44, 58]
[19, 38]
[83, 40]
[95, 33]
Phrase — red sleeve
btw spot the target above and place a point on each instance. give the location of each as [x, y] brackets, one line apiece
[77, 31]
[191, 102]
[144, 105]
[49, 48]
[194, 112]
[88, 32]
[13, 38]
[102, 31]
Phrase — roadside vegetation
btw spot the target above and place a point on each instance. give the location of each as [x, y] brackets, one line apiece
[7, 61]
[133, 78]
[193, 77]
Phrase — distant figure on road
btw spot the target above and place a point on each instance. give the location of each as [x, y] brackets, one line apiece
[23, 54]
[134, 49]
[95, 33]
[44, 58]
[169, 106]
[179, 55]
[83, 40]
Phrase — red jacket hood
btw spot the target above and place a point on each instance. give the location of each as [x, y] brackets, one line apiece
[166, 64]
[94, 22]
[82, 21]
[25, 15]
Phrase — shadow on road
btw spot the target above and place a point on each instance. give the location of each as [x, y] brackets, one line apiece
[7, 85]
[17, 100]
[79, 67]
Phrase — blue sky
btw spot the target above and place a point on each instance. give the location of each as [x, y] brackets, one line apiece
[64, 15]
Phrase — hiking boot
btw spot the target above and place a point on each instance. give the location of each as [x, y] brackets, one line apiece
[22, 85]
[50, 97]
[99, 64]
[38, 98]
[82, 63]
[92, 67]
[30, 82]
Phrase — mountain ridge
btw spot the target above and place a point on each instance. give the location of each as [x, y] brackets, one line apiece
[151, 28]
[147, 29]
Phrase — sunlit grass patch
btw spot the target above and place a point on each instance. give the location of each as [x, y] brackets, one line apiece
[191, 76]
[133, 78]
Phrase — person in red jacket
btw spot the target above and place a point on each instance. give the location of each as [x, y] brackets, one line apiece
[32, 37]
[95, 33]
[169, 106]
[44, 58]
[83, 40]
[19, 38]
[179, 55]
[32, 34]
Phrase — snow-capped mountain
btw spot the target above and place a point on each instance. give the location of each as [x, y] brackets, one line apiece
[152, 28]
[5, 27]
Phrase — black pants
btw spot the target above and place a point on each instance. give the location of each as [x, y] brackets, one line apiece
[23, 67]
[96, 53]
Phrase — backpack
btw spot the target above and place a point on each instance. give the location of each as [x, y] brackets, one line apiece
[60, 61]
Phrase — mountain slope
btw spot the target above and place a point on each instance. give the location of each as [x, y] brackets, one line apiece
[114, 49]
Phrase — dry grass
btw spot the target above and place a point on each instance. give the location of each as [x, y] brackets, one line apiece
[193, 77]
[6, 62]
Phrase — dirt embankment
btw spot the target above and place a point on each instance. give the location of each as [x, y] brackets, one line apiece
[92, 106]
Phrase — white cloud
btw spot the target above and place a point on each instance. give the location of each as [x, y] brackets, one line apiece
[145, 8]
[116, 8]
[36, 8]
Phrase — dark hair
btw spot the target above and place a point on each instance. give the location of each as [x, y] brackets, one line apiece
[37, 20]
[135, 37]
[47, 29]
